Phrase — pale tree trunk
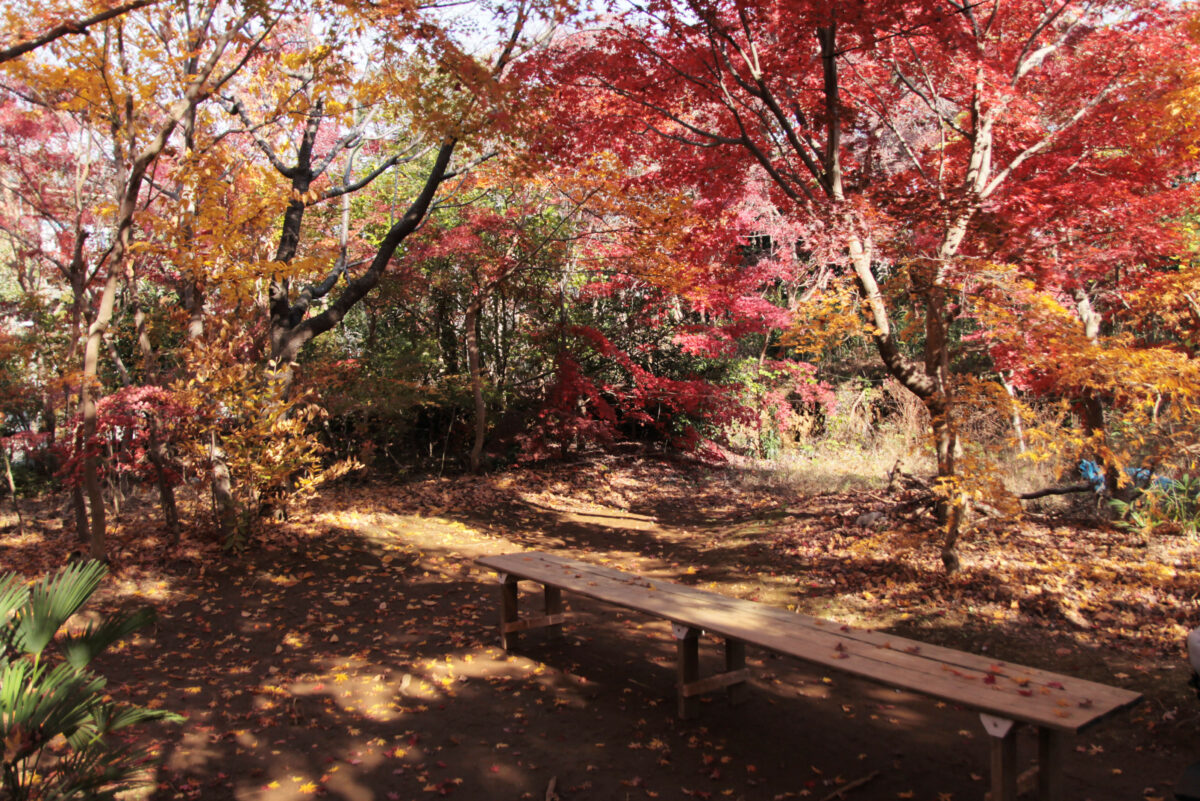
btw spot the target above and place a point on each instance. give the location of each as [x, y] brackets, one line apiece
[12, 490]
[1018, 426]
[87, 409]
[222, 491]
[1093, 405]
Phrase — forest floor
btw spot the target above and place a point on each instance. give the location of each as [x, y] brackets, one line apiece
[352, 654]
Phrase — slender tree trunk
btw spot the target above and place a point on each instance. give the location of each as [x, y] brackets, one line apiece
[476, 371]
[157, 452]
[78, 503]
[1093, 405]
[1018, 427]
[222, 491]
[447, 338]
[87, 406]
[12, 490]
[156, 448]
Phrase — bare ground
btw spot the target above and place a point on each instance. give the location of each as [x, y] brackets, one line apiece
[352, 653]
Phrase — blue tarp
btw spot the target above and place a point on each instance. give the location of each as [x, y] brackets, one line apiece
[1141, 476]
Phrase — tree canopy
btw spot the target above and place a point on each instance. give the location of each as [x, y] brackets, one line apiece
[260, 245]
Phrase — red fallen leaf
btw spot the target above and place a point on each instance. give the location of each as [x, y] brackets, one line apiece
[494, 768]
[1056, 685]
[913, 649]
[1025, 692]
[1086, 703]
[839, 647]
[845, 628]
[989, 678]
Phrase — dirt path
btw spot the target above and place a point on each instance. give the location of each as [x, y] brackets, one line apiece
[355, 658]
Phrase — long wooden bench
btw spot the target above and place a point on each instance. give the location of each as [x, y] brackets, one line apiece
[1003, 693]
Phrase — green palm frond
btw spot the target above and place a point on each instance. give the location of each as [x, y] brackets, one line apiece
[80, 649]
[52, 601]
[122, 716]
[55, 701]
[13, 594]
[44, 697]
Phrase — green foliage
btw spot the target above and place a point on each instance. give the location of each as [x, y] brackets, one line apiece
[1168, 504]
[58, 730]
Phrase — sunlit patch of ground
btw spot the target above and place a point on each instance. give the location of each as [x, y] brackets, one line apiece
[350, 653]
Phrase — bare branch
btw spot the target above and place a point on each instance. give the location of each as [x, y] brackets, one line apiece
[71, 27]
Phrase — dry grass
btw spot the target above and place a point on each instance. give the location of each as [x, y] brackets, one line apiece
[873, 429]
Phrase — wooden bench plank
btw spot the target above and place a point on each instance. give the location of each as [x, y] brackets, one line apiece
[1030, 695]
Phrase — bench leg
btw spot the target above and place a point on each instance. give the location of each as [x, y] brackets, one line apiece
[554, 609]
[687, 644]
[1050, 758]
[1003, 736]
[508, 610]
[735, 659]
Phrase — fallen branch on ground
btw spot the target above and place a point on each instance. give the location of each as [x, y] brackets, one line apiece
[840, 793]
[1029, 496]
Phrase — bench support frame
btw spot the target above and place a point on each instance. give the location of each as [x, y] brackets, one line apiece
[690, 685]
[511, 623]
[1006, 784]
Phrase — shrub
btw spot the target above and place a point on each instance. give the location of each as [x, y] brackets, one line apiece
[60, 734]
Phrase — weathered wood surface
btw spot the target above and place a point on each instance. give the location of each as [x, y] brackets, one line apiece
[1039, 697]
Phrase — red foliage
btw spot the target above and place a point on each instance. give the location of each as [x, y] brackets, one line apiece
[123, 422]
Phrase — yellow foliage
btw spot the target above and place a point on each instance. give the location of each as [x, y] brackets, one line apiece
[825, 320]
[1151, 392]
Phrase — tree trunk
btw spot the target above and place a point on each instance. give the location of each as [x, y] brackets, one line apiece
[1018, 427]
[222, 490]
[78, 505]
[157, 450]
[447, 337]
[12, 489]
[87, 407]
[1093, 405]
[476, 371]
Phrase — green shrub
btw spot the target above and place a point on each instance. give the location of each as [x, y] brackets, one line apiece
[1167, 503]
[58, 731]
